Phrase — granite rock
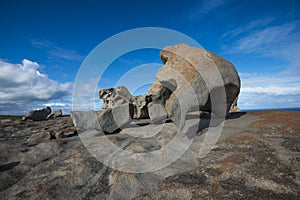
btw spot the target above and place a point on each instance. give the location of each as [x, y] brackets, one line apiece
[198, 79]
[107, 120]
[57, 113]
[157, 112]
[113, 97]
[38, 115]
[256, 157]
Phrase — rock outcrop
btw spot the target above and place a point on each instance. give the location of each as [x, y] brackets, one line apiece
[199, 156]
[38, 115]
[256, 157]
[191, 79]
[113, 97]
[108, 120]
[156, 109]
[198, 79]
[157, 112]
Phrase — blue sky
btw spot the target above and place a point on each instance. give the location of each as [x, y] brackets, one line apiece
[43, 44]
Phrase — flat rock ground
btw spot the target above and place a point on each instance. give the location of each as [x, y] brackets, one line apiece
[256, 156]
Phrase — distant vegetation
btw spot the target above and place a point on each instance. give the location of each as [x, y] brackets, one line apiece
[10, 117]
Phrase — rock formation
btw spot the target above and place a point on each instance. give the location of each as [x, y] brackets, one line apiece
[55, 114]
[256, 155]
[38, 115]
[113, 97]
[120, 95]
[191, 79]
[198, 79]
[107, 120]
[140, 104]
[159, 94]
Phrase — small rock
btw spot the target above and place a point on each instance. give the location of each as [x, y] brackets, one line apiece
[71, 134]
[60, 135]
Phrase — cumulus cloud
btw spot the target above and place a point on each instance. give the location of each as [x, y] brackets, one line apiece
[23, 84]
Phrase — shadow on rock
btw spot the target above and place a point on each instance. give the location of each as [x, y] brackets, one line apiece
[8, 166]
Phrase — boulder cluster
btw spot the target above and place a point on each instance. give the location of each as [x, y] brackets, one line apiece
[191, 79]
[42, 114]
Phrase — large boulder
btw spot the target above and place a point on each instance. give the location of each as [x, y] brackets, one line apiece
[38, 115]
[113, 97]
[198, 80]
[156, 109]
[55, 114]
[108, 120]
[157, 112]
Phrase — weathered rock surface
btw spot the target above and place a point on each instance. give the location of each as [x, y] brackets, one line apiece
[157, 112]
[37, 138]
[198, 79]
[55, 114]
[256, 157]
[234, 107]
[113, 97]
[38, 115]
[140, 104]
[107, 120]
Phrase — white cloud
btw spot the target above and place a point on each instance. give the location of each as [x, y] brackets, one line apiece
[56, 104]
[57, 52]
[259, 23]
[256, 80]
[269, 91]
[273, 90]
[23, 84]
[262, 38]
[266, 41]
